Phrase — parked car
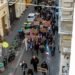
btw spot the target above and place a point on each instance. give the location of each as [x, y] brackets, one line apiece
[31, 17]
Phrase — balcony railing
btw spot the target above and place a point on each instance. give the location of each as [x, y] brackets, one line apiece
[66, 43]
[67, 0]
[66, 50]
[67, 18]
[65, 27]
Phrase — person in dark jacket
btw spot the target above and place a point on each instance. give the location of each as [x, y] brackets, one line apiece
[44, 66]
[53, 49]
[23, 66]
[21, 34]
[34, 62]
[5, 61]
[37, 47]
[30, 72]
[42, 48]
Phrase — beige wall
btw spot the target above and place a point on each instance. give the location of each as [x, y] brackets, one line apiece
[4, 12]
[20, 7]
[65, 31]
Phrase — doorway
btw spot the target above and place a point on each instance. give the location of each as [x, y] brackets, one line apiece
[4, 26]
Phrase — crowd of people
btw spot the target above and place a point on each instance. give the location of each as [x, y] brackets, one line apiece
[41, 39]
[42, 35]
[34, 62]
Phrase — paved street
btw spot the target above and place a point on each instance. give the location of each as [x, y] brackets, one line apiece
[17, 25]
[53, 62]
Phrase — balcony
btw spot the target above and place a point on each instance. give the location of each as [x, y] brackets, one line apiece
[66, 50]
[67, 4]
[67, 18]
[68, 0]
[66, 14]
[65, 27]
[66, 43]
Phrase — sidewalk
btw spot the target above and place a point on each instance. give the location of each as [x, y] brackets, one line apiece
[11, 67]
[17, 25]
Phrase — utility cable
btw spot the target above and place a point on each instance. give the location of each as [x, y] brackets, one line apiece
[30, 4]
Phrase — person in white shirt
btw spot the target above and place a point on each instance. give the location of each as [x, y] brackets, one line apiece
[26, 44]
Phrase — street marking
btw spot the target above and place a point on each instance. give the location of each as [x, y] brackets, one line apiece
[17, 53]
[20, 58]
[11, 74]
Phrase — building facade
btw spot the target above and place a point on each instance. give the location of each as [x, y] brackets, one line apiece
[4, 18]
[20, 7]
[12, 13]
[65, 34]
[16, 8]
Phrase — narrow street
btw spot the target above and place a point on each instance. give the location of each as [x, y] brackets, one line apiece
[23, 55]
[53, 62]
[18, 24]
[35, 37]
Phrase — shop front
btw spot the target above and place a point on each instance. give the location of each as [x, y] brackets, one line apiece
[12, 13]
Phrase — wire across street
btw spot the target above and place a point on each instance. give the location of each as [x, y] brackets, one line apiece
[58, 7]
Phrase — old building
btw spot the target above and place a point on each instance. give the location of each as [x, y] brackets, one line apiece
[65, 34]
[20, 6]
[16, 8]
[12, 13]
[4, 18]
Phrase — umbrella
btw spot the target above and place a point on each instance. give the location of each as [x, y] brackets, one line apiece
[5, 44]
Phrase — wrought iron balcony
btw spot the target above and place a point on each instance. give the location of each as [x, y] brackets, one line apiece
[66, 44]
[65, 27]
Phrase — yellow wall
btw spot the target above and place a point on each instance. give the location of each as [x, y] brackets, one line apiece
[4, 12]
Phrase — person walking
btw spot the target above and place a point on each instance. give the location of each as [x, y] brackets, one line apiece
[23, 66]
[37, 47]
[42, 48]
[53, 49]
[34, 62]
[26, 43]
[44, 66]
